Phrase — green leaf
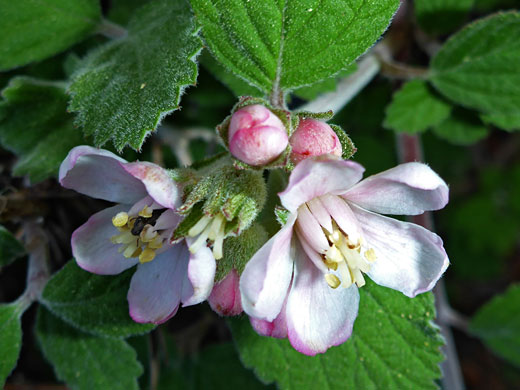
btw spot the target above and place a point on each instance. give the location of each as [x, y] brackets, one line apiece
[497, 323]
[93, 303]
[37, 108]
[441, 16]
[478, 67]
[126, 86]
[394, 346]
[285, 44]
[461, 128]
[83, 361]
[509, 122]
[10, 339]
[31, 30]
[415, 108]
[10, 247]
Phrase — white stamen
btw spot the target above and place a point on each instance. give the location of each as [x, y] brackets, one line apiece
[344, 272]
[199, 226]
[215, 227]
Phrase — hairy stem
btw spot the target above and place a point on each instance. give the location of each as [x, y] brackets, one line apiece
[111, 30]
[410, 149]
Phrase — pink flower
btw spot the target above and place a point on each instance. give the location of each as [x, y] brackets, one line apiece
[313, 138]
[304, 281]
[256, 135]
[136, 231]
[225, 297]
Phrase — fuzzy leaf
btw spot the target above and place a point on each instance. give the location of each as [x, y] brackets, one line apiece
[32, 30]
[441, 16]
[37, 108]
[478, 66]
[415, 108]
[282, 45]
[126, 86]
[394, 346]
[10, 339]
[461, 128]
[509, 122]
[10, 248]
[86, 362]
[93, 303]
[497, 323]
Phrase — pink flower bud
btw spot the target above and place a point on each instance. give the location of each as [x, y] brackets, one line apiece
[225, 297]
[314, 138]
[256, 135]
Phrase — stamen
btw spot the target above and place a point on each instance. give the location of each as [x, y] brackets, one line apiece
[120, 219]
[219, 242]
[122, 238]
[344, 272]
[130, 250]
[147, 255]
[146, 212]
[332, 280]
[199, 226]
[157, 243]
[370, 255]
[215, 227]
[200, 241]
[147, 234]
[333, 254]
[358, 277]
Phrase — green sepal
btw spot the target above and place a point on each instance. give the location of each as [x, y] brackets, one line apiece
[346, 143]
[282, 215]
[322, 116]
[238, 251]
[187, 223]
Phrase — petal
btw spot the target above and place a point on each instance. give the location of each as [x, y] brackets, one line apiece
[314, 177]
[100, 174]
[343, 215]
[408, 189]
[200, 276]
[318, 316]
[155, 289]
[409, 258]
[310, 230]
[159, 185]
[266, 277]
[276, 328]
[92, 248]
[225, 296]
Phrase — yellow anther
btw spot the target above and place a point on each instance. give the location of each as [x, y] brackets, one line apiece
[146, 212]
[147, 234]
[331, 264]
[332, 280]
[156, 243]
[147, 255]
[123, 238]
[137, 252]
[120, 219]
[370, 255]
[333, 254]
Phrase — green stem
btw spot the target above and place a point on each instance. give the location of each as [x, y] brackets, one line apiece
[111, 30]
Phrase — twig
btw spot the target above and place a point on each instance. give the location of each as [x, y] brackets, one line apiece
[111, 30]
[38, 272]
[410, 149]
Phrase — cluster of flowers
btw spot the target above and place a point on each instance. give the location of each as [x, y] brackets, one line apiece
[303, 282]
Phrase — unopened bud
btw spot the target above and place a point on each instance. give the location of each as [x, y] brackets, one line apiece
[314, 138]
[256, 135]
[225, 296]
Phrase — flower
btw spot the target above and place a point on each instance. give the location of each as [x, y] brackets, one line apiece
[303, 283]
[313, 138]
[225, 297]
[256, 136]
[136, 231]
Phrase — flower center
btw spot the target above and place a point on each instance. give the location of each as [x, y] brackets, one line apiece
[140, 234]
[209, 228]
[343, 260]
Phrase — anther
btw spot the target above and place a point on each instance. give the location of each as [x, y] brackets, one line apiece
[147, 255]
[120, 219]
[146, 212]
[332, 280]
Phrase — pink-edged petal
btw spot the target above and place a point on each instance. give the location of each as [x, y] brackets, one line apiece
[276, 328]
[409, 258]
[100, 174]
[225, 296]
[408, 189]
[318, 316]
[200, 275]
[168, 220]
[320, 213]
[266, 277]
[310, 230]
[343, 215]
[314, 177]
[159, 185]
[156, 287]
[92, 248]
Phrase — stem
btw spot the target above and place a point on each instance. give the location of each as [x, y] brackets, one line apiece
[397, 70]
[111, 30]
[409, 149]
[38, 272]
[346, 89]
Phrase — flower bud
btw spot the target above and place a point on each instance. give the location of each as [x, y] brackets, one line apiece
[225, 296]
[313, 138]
[256, 135]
